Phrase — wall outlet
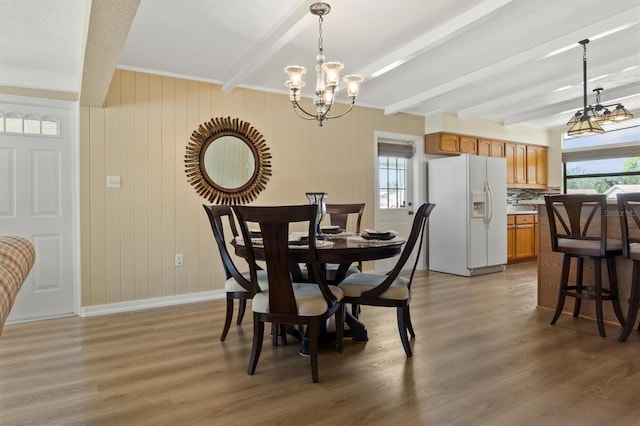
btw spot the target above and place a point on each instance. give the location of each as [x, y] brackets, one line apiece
[179, 259]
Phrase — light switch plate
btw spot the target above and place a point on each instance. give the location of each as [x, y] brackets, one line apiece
[113, 181]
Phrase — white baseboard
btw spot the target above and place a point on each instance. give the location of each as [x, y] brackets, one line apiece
[157, 302]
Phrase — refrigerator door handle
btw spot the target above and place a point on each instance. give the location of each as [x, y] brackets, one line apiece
[488, 204]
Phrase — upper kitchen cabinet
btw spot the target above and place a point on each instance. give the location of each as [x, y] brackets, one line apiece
[449, 143]
[526, 165]
[490, 148]
[516, 155]
[537, 166]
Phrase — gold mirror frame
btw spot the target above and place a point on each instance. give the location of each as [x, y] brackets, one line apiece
[206, 134]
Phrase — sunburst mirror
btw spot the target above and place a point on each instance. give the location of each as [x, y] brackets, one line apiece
[227, 161]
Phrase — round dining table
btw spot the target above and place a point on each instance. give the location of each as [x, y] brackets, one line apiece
[342, 251]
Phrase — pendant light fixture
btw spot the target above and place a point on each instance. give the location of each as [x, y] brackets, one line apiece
[589, 119]
[327, 79]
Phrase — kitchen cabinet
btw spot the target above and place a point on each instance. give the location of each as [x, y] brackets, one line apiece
[516, 155]
[526, 165]
[490, 148]
[536, 166]
[468, 145]
[524, 236]
[521, 237]
[449, 143]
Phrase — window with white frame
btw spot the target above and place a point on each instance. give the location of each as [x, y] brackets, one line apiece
[608, 163]
[29, 124]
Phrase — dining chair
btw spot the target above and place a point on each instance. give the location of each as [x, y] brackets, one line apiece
[391, 289]
[629, 210]
[285, 301]
[339, 215]
[570, 219]
[238, 285]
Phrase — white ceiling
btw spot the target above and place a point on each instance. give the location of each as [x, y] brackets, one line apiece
[474, 58]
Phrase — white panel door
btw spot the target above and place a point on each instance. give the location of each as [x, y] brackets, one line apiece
[36, 203]
[396, 216]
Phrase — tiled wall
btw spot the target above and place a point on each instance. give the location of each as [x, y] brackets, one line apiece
[514, 195]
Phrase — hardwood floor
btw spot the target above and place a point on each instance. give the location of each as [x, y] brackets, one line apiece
[483, 355]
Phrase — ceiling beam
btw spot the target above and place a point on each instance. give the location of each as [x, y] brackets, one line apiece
[551, 83]
[431, 39]
[532, 55]
[109, 26]
[291, 24]
[574, 104]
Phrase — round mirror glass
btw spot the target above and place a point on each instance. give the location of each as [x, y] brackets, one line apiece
[229, 162]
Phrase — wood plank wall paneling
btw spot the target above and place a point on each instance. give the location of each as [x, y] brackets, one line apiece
[130, 235]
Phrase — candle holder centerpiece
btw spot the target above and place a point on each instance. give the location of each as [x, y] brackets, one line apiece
[318, 198]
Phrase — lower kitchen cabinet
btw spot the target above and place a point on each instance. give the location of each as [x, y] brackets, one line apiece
[521, 237]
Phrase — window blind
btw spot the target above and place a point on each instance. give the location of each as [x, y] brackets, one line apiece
[394, 149]
[603, 153]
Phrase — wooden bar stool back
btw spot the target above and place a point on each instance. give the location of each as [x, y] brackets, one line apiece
[575, 232]
[629, 210]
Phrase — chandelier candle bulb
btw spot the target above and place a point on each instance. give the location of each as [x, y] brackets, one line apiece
[353, 85]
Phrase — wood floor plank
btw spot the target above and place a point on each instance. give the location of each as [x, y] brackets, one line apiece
[483, 355]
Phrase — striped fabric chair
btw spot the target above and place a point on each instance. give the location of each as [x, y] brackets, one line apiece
[16, 259]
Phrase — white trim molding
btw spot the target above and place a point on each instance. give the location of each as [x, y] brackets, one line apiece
[156, 302]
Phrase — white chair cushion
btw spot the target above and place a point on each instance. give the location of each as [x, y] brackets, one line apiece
[568, 243]
[231, 285]
[634, 251]
[356, 284]
[308, 298]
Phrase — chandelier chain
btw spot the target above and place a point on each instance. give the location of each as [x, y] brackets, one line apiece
[320, 47]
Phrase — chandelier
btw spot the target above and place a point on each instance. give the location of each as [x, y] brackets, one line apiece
[327, 79]
[589, 120]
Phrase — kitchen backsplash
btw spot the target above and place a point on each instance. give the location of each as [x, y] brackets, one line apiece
[514, 195]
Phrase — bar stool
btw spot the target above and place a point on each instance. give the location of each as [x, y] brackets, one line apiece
[629, 210]
[570, 217]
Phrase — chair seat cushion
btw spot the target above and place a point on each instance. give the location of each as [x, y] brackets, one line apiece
[575, 246]
[634, 251]
[309, 299]
[356, 284]
[231, 285]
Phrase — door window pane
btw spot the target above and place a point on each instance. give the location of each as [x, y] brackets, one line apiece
[393, 176]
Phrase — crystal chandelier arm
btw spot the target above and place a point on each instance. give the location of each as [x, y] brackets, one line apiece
[327, 117]
[306, 116]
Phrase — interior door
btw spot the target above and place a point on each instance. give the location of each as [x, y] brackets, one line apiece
[395, 195]
[36, 203]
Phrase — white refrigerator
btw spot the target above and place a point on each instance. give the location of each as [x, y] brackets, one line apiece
[468, 226]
